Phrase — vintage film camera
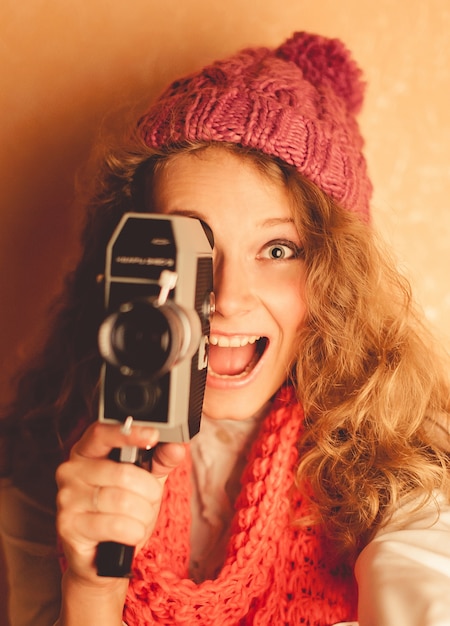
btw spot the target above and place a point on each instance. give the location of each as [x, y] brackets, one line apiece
[159, 300]
[158, 294]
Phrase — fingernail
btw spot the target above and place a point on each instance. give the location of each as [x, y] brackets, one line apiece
[151, 440]
[126, 426]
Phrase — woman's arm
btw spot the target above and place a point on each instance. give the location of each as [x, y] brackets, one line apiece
[88, 604]
[404, 573]
[101, 500]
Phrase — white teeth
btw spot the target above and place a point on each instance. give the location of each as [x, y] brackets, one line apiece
[232, 342]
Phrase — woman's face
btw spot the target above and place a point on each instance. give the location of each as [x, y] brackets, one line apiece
[259, 274]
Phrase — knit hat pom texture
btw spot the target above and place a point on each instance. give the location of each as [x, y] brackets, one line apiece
[297, 103]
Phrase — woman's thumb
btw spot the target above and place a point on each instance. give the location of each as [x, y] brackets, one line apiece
[166, 457]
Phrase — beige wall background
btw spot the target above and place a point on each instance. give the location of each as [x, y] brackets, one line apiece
[66, 63]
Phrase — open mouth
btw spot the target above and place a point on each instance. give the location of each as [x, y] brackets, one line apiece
[235, 356]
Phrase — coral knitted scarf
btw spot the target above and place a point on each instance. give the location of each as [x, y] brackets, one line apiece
[274, 573]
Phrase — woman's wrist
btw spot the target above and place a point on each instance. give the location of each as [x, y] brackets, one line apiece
[84, 602]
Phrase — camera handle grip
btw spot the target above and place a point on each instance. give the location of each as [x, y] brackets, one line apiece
[115, 559]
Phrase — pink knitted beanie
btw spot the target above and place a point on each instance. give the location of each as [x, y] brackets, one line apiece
[297, 102]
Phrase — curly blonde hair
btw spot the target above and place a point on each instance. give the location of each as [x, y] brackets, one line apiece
[374, 395]
[373, 389]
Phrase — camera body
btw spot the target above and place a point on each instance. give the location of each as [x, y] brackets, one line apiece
[154, 340]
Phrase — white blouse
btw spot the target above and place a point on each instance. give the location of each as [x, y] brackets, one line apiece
[219, 453]
[404, 573]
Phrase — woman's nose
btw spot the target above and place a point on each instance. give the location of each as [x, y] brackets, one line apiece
[232, 287]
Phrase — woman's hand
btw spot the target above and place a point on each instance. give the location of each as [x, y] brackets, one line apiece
[101, 500]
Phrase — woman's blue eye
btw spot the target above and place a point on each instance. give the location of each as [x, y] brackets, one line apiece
[277, 252]
[280, 250]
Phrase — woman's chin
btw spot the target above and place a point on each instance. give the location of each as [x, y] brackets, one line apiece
[236, 402]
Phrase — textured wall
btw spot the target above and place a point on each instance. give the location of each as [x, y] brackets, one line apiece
[66, 64]
[407, 125]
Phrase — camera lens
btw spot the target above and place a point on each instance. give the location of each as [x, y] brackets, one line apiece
[137, 397]
[137, 338]
[140, 337]
[144, 339]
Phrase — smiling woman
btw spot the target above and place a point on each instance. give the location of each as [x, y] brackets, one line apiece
[258, 272]
[317, 488]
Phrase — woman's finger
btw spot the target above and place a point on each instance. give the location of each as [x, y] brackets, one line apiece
[99, 439]
[82, 472]
[84, 531]
[166, 457]
[97, 498]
